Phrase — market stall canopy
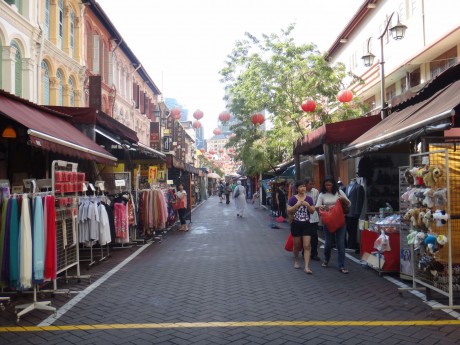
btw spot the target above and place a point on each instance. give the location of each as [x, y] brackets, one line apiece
[84, 115]
[431, 110]
[343, 132]
[52, 131]
[213, 175]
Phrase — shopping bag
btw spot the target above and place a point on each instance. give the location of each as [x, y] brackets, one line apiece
[333, 218]
[280, 219]
[289, 245]
[176, 205]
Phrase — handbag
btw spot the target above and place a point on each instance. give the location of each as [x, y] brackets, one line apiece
[237, 193]
[289, 245]
[176, 205]
[334, 217]
[345, 206]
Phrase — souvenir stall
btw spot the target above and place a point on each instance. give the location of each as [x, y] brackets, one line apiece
[33, 139]
[406, 132]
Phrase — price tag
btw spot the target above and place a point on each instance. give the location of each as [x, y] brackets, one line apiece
[17, 189]
[120, 183]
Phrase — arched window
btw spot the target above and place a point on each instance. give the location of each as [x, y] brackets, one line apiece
[47, 19]
[45, 84]
[60, 23]
[71, 93]
[59, 88]
[72, 33]
[17, 70]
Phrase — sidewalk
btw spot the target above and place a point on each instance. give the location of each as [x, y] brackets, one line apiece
[230, 281]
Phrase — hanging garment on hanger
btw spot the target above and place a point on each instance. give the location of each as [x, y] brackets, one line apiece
[50, 246]
[25, 245]
[5, 267]
[38, 240]
[14, 244]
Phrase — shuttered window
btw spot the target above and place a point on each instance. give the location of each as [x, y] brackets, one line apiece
[60, 22]
[47, 19]
[96, 55]
[17, 70]
[45, 84]
[59, 88]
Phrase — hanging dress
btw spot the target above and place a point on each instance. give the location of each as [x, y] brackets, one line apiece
[50, 244]
[38, 240]
[14, 244]
[25, 245]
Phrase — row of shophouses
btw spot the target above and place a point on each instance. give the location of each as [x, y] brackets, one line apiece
[65, 61]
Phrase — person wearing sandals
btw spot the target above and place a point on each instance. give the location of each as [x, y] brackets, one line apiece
[328, 195]
[301, 206]
[181, 196]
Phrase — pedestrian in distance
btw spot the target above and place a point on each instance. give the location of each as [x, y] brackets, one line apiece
[327, 198]
[313, 193]
[227, 191]
[281, 201]
[239, 194]
[300, 206]
[181, 196]
[221, 189]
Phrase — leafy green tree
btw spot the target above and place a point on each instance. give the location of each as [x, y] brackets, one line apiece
[274, 75]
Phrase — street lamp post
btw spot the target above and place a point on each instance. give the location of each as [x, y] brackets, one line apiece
[397, 32]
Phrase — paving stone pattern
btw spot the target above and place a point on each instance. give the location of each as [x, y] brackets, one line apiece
[229, 269]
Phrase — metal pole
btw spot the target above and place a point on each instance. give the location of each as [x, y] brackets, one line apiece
[383, 110]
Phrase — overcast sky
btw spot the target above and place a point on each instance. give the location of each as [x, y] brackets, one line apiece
[183, 44]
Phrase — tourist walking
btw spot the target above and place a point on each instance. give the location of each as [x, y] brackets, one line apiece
[181, 196]
[239, 194]
[313, 193]
[327, 198]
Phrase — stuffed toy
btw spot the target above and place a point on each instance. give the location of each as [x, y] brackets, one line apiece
[409, 177]
[411, 237]
[420, 173]
[437, 175]
[428, 201]
[428, 219]
[411, 216]
[434, 243]
[418, 239]
[440, 217]
[428, 178]
[421, 216]
[405, 196]
[440, 198]
[414, 173]
[442, 240]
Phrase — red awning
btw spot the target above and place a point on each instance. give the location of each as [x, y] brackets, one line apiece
[433, 114]
[50, 131]
[343, 132]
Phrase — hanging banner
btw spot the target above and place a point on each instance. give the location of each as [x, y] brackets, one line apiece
[162, 172]
[153, 174]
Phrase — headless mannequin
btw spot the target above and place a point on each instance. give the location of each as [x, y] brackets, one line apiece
[355, 193]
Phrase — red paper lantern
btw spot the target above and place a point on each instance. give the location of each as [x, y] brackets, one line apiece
[202, 150]
[257, 119]
[308, 105]
[345, 96]
[224, 116]
[196, 124]
[231, 149]
[198, 114]
[217, 131]
[221, 151]
[175, 113]
[232, 135]
[212, 152]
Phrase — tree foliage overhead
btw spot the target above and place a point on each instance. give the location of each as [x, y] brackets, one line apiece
[274, 75]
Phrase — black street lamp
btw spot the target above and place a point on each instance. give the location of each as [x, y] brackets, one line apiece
[397, 32]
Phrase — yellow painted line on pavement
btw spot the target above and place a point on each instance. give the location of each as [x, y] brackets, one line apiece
[116, 326]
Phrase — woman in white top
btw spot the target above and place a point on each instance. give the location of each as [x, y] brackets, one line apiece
[330, 192]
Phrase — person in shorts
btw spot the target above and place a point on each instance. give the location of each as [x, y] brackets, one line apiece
[301, 206]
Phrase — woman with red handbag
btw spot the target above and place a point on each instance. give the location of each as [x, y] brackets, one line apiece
[181, 199]
[327, 200]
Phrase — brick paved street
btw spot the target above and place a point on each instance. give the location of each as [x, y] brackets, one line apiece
[230, 281]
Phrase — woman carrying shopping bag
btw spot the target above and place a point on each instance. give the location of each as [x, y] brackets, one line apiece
[329, 195]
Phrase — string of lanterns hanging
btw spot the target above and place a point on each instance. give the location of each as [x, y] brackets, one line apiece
[345, 96]
[257, 119]
[224, 116]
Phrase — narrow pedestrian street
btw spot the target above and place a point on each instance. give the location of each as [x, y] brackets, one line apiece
[229, 281]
